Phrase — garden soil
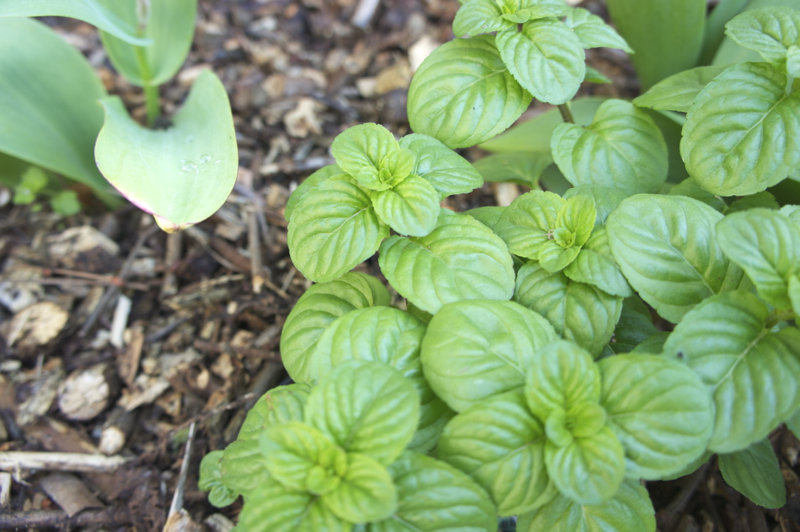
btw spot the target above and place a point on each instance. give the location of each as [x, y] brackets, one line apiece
[145, 348]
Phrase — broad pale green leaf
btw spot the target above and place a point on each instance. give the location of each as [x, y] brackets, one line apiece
[436, 497]
[183, 174]
[678, 91]
[533, 135]
[243, 467]
[169, 27]
[766, 245]
[99, 13]
[630, 510]
[274, 508]
[546, 58]
[526, 225]
[755, 473]
[211, 480]
[770, 31]
[606, 199]
[463, 94]
[307, 186]
[750, 370]
[446, 170]
[366, 493]
[460, 259]
[742, 130]
[595, 265]
[364, 147]
[622, 148]
[314, 312]
[501, 446]
[333, 229]
[794, 293]
[473, 350]
[666, 36]
[690, 188]
[580, 312]
[521, 168]
[365, 407]
[560, 375]
[479, 16]
[659, 410]
[391, 336]
[410, 208]
[715, 26]
[294, 451]
[763, 199]
[279, 405]
[593, 32]
[666, 248]
[590, 469]
[49, 93]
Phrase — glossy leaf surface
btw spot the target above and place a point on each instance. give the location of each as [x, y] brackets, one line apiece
[756, 473]
[678, 91]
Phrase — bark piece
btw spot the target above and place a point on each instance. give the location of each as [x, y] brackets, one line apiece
[86, 393]
[69, 492]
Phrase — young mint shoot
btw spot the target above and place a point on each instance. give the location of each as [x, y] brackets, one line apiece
[556, 353]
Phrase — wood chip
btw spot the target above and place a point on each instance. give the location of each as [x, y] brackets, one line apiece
[303, 120]
[86, 393]
[84, 248]
[13, 461]
[35, 326]
[68, 492]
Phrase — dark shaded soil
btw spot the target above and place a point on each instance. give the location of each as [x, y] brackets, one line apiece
[162, 334]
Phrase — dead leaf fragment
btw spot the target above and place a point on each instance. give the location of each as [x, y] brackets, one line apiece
[86, 393]
[84, 248]
[69, 493]
[303, 119]
[35, 326]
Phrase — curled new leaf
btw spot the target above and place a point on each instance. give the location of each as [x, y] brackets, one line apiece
[446, 170]
[463, 94]
[770, 31]
[593, 32]
[366, 492]
[410, 207]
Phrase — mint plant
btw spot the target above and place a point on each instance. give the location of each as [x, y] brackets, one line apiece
[619, 323]
[55, 123]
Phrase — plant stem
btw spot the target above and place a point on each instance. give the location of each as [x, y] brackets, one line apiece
[150, 90]
[566, 114]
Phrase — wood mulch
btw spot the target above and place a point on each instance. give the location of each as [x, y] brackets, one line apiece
[126, 354]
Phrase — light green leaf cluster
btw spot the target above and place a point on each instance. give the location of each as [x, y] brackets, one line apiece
[342, 213]
[575, 429]
[471, 89]
[333, 457]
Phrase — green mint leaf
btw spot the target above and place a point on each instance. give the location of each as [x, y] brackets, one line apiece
[303, 458]
[742, 110]
[755, 473]
[410, 207]
[526, 224]
[794, 293]
[243, 468]
[666, 248]
[479, 16]
[606, 199]
[279, 405]
[501, 446]
[364, 150]
[434, 496]
[770, 31]
[336, 229]
[635, 325]
[447, 171]
[316, 309]
[690, 188]
[520, 168]
[580, 312]
[595, 76]
[595, 265]
[559, 376]
[793, 61]
[763, 199]
[793, 423]
[211, 480]
[766, 245]
[476, 349]
[391, 336]
[659, 410]
[488, 216]
[273, 507]
[593, 32]
[546, 58]
[463, 94]
[743, 352]
[630, 510]
[307, 186]
[460, 259]
[678, 91]
[590, 469]
[365, 407]
[578, 216]
[366, 492]
[621, 148]
[65, 203]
